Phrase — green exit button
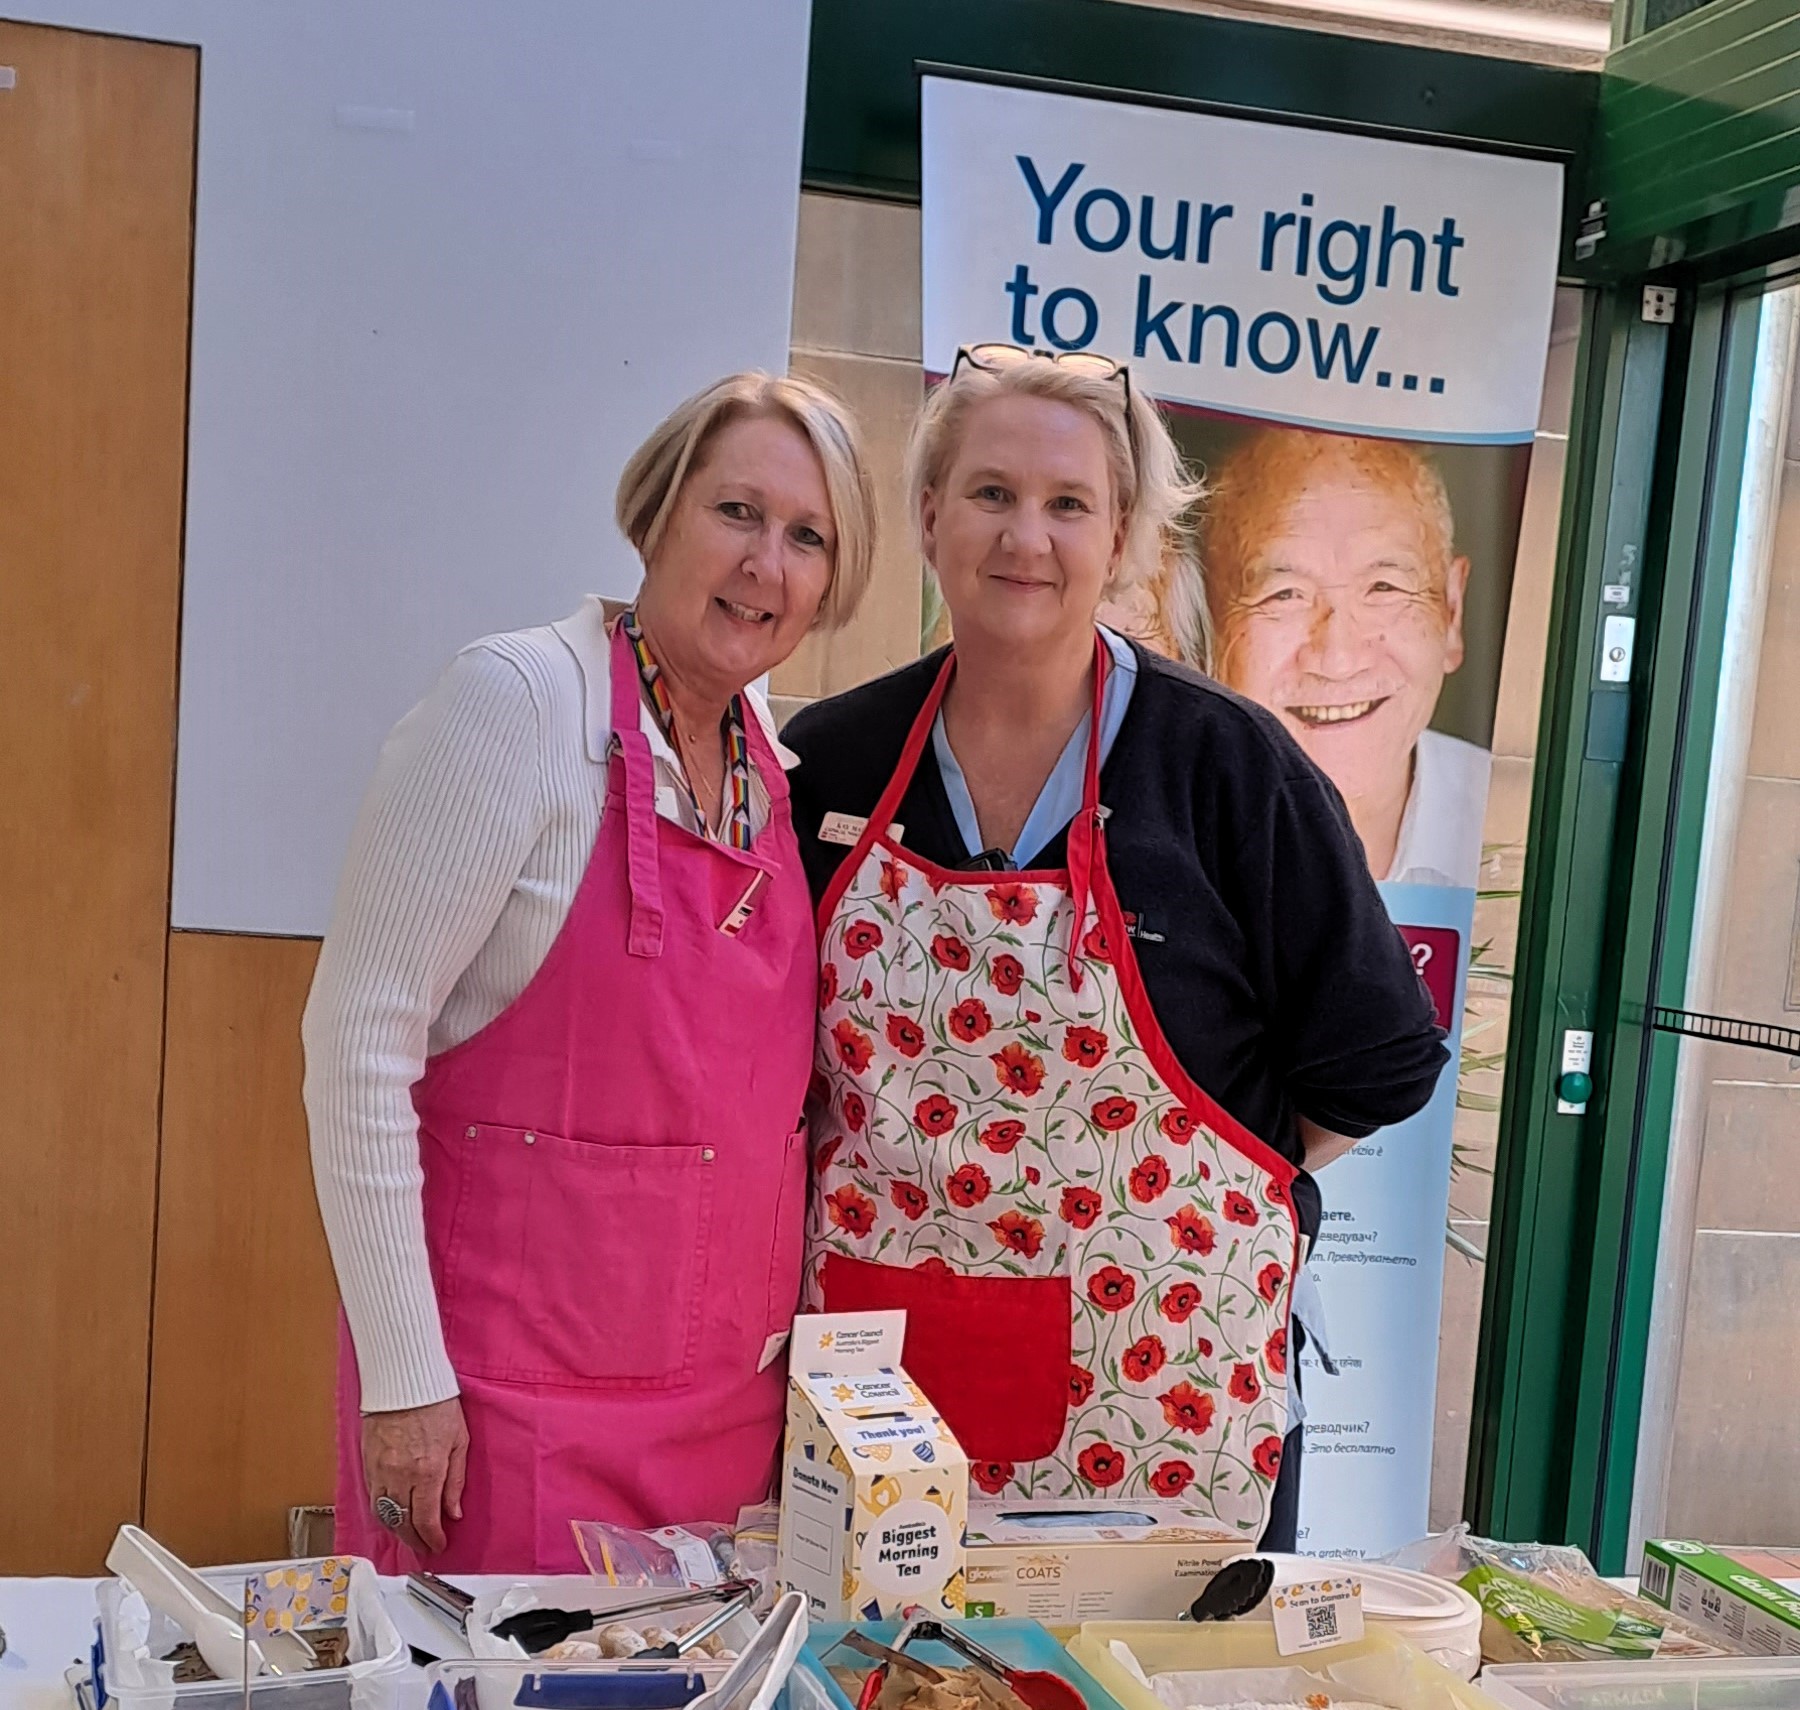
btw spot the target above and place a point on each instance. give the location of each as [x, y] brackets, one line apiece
[1575, 1087]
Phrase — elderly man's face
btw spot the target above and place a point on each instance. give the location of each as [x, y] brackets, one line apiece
[1346, 625]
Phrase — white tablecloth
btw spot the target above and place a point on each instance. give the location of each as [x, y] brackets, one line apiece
[49, 1624]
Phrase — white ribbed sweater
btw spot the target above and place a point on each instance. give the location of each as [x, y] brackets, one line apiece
[466, 856]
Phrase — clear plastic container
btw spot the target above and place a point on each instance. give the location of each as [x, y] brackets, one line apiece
[1379, 1668]
[1709, 1683]
[578, 1686]
[575, 1591]
[132, 1637]
[611, 1684]
[768, 1674]
[1024, 1644]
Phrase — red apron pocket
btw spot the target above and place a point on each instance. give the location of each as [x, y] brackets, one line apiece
[992, 1353]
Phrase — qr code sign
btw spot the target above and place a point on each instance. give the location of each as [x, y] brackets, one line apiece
[1312, 1615]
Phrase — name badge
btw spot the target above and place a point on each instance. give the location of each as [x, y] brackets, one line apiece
[744, 907]
[847, 829]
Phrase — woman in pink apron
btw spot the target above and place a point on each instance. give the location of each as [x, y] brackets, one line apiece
[561, 1031]
[1103, 973]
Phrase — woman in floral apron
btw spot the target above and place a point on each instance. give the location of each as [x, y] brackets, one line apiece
[1103, 973]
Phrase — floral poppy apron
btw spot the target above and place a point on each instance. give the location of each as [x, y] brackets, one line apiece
[1095, 1259]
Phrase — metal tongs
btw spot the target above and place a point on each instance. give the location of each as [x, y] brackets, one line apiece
[538, 1629]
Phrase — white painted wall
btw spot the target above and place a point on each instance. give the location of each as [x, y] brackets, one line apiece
[422, 351]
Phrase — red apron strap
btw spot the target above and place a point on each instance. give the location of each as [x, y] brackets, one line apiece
[1087, 837]
[642, 861]
[898, 784]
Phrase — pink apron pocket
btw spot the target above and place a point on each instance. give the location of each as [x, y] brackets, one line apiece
[579, 1263]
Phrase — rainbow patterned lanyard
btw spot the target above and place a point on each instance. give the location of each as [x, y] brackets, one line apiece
[736, 830]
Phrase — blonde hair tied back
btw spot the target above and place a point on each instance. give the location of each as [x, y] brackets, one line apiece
[651, 481]
[1153, 486]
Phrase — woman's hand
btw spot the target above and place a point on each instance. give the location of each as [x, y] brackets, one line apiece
[1321, 1146]
[418, 1456]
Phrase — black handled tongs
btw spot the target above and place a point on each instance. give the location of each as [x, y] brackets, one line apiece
[538, 1629]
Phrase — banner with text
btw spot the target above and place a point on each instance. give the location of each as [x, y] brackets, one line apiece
[1350, 335]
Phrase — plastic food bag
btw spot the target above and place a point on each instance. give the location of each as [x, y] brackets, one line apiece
[1545, 1603]
[696, 1556]
[753, 1550]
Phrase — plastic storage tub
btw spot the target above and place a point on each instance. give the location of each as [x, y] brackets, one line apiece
[766, 1675]
[1708, 1683]
[373, 1680]
[1379, 1667]
[577, 1591]
[1024, 1644]
[587, 1686]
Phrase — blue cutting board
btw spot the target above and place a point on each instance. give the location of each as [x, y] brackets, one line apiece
[1024, 1644]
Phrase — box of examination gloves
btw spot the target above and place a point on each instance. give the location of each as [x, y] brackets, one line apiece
[1091, 1560]
[874, 1488]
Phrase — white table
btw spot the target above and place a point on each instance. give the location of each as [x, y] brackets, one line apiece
[49, 1624]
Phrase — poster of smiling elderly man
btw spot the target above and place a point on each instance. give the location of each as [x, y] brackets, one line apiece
[1358, 588]
[1349, 334]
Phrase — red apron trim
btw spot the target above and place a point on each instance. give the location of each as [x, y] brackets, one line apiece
[1162, 1055]
[1076, 878]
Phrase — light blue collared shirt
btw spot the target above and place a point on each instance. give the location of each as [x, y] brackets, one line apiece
[1060, 799]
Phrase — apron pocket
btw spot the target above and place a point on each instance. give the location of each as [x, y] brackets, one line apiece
[787, 1261]
[577, 1262]
[992, 1353]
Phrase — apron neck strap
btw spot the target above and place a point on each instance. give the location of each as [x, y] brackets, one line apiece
[763, 757]
[916, 738]
[1087, 836]
[643, 865]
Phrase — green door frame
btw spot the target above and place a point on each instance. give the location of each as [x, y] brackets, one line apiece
[1615, 831]
[1696, 156]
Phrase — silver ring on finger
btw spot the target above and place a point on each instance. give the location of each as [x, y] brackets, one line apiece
[389, 1513]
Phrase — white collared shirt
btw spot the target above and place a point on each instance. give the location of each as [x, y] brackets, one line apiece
[468, 851]
[1440, 833]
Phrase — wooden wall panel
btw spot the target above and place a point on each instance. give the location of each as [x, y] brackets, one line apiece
[246, 1305]
[96, 213]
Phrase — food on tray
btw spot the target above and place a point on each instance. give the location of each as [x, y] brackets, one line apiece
[331, 1645]
[1312, 1701]
[574, 1635]
[957, 1689]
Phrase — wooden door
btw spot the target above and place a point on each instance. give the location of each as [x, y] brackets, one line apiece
[96, 217]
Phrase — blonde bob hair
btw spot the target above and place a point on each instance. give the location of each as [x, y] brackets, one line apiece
[1152, 486]
[677, 446]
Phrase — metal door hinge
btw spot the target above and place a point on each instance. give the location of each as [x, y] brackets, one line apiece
[1591, 233]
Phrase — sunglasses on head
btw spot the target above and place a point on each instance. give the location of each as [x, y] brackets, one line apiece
[995, 358]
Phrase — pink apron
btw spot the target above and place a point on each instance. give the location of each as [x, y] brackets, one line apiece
[1095, 1258]
[614, 1189]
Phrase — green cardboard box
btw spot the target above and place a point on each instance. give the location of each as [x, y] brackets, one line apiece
[1722, 1596]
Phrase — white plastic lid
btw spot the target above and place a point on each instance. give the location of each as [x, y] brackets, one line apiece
[1389, 1593]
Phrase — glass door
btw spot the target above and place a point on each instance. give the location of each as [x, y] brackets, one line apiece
[1717, 1453]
